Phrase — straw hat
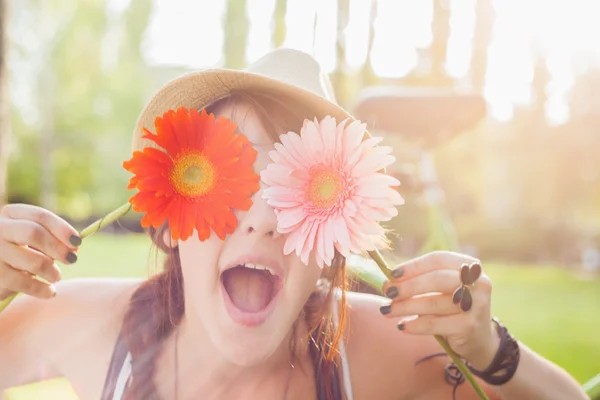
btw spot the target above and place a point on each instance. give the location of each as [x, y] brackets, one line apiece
[283, 72]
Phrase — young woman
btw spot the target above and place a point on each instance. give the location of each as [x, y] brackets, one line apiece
[209, 327]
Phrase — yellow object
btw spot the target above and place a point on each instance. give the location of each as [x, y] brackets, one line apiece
[51, 389]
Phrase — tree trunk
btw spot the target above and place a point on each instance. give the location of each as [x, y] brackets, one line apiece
[236, 34]
[4, 107]
[484, 14]
[279, 32]
[339, 74]
[48, 189]
[441, 35]
[367, 74]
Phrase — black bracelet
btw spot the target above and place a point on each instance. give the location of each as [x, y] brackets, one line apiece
[505, 362]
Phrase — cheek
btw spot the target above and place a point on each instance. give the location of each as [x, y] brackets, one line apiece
[303, 279]
[199, 260]
[262, 159]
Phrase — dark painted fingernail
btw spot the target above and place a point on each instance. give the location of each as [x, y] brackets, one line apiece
[401, 326]
[72, 258]
[75, 240]
[392, 292]
[385, 309]
[398, 272]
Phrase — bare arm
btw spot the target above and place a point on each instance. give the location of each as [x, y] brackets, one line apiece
[54, 328]
[388, 364]
[535, 379]
[22, 360]
[538, 378]
[31, 239]
[71, 335]
[424, 287]
[384, 364]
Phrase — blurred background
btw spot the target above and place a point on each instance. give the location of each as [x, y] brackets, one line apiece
[491, 107]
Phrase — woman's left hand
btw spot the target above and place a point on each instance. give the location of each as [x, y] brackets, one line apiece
[423, 287]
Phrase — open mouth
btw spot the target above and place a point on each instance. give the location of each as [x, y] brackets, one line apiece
[250, 291]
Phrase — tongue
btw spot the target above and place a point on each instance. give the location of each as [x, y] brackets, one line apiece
[249, 289]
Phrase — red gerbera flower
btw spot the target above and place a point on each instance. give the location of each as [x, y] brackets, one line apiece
[205, 171]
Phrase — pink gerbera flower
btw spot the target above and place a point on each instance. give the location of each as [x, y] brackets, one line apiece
[328, 191]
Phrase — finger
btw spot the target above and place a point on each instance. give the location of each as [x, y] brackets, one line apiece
[34, 262]
[440, 281]
[28, 233]
[445, 325]
[54, 224]
[24, 282]
[436, 304]
[431, 262]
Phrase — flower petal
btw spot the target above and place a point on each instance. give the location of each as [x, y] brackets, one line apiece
[363, 197]
[291, 217]
[353, 135]
[328, 135]
[229, 153]
[292, 242]
[311, 137]
[341, 235]
[309, 243]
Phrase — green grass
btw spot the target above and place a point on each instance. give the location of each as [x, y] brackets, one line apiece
[553, 313]
[549, 309]
[114, 256]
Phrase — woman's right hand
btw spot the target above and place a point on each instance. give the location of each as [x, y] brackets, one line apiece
[31, 240]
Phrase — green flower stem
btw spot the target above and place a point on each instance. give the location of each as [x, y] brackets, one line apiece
[383, 266]
[107, 220]
[592, 387]
[87, 231]
[4, 303]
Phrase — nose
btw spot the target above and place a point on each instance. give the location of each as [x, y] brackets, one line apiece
[260, 219]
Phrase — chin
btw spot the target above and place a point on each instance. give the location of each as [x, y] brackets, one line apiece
[247, 346]
[250, 337]
[249, 352]
[255, 307]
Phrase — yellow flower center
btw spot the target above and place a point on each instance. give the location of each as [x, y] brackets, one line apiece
[193, 174]
[325, 188]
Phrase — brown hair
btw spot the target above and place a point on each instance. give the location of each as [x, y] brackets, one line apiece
[157, 306]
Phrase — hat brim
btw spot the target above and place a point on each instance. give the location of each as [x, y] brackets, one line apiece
[199, 89]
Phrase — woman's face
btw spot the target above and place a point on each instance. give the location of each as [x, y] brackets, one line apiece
[244, 292]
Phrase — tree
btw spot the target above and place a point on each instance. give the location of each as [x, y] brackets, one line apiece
[4, 116]
[439, 46]
[368, 76]
[73, 130]
[430, 71]
[482, 37]
[339, 75]
[236, 34]
[279, 30]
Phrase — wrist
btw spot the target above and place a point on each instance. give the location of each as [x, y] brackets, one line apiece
[484, 357]
[505, 361]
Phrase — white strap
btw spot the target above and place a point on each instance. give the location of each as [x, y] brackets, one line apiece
[123, 378]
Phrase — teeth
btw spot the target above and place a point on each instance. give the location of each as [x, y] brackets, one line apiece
[259, 267]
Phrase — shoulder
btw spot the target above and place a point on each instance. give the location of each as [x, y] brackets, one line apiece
[78, 326]
[98, 292]
[93, 307]
[383, 360]
[85, 300]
